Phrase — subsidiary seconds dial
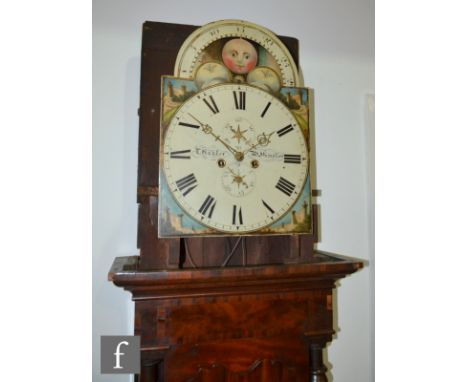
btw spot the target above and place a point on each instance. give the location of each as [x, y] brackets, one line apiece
[235, 158]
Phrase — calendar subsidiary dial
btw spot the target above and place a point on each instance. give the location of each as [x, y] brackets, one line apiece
[234, 158]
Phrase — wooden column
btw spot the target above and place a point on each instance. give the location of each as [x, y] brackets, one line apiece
[149, 371]
[152, 365]
[318, 369]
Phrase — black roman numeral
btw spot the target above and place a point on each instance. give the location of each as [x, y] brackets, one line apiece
[266, 109]
[187, 183]
[284, 130]
[237, 214]
[212, 105]
[189, 125]
[205, 207]
[268, 207]
[285, 186]
[239, 99]
[292, 158]
[181, 154]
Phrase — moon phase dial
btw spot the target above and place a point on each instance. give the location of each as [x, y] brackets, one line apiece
[196, 47]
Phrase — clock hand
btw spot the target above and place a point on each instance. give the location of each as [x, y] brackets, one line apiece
[238, 178]
[263, 140]
[233, 151]
[232, 172]
[207, 129]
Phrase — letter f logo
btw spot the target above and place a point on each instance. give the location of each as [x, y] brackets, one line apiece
[118, 354]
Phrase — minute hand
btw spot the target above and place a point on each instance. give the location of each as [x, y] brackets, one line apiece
[207, 129]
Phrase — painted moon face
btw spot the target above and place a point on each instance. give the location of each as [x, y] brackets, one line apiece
[239, 56]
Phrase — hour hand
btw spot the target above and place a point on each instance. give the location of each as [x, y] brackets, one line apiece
[262, 140]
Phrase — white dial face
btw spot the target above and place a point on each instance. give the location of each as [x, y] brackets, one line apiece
[191, 51]
[235, 158]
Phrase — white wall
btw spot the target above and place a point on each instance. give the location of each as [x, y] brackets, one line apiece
[337, 58]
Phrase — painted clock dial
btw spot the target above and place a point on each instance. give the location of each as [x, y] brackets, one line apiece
[235, 158]
[191, 52]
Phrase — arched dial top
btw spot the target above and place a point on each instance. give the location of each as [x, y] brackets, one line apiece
[193, 47]
[234, 157]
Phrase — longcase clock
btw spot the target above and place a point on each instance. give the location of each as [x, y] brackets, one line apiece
[227, 285]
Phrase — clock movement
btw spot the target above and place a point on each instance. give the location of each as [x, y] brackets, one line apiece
[228, 285]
